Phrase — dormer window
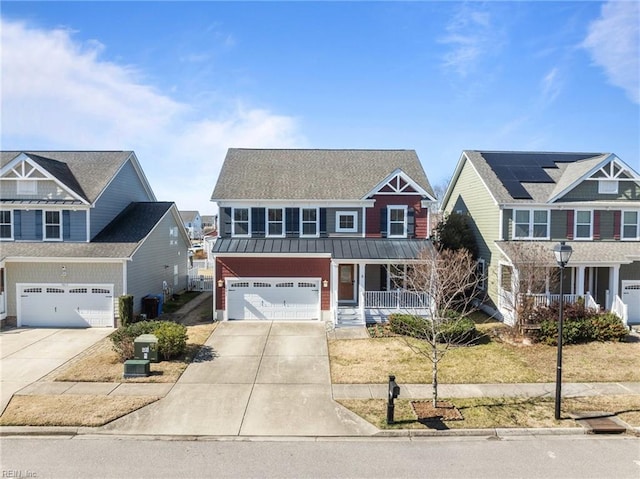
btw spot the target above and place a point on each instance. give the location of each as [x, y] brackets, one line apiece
[347, 222]
[397, 221]
[309, 222]
[241, 221]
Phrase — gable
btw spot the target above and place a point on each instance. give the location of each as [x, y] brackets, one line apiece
[30, 177]
[399, 183]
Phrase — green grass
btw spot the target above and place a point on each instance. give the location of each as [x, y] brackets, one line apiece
[179, 301]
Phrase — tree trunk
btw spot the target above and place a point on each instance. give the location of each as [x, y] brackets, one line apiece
[434, 376]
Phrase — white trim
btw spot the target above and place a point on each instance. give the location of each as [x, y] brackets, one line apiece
[317, 222]
[575, 225]
[353, 215]
[622, 224]
[233, 223]
[532, 224]
[301, 203]
[396, 175]
[267, 222]
[45, 238]
[404, 208]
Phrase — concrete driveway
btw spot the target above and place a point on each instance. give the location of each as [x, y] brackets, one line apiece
[254, 379]
[28, 354]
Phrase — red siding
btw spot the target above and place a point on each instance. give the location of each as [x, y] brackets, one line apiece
[273, 268]
[617, 218]
[382, 201]
[596, 225]
[570, 224]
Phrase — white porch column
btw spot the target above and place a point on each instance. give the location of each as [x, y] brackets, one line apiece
[614, 279]
[361, 288]
[333, 293]
[580, 280]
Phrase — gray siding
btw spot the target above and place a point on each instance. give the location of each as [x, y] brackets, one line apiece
[125, 188]
[507, 224]
[606, 225]
[46, 190]
[28, 226]
[558, 224]
[373, 277]
[43, 272]
[147, 271]
[629, 271]
[588, 191]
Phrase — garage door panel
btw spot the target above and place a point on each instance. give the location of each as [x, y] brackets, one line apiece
[273, 299]
[65, 305]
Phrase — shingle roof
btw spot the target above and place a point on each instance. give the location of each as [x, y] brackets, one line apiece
[391, 249]
[295, 174]
[529, 176]
[85, 172]
[134, 223]
[188, 215]
[584, 252]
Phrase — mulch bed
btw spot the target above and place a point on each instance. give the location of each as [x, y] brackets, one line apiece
[445, 411]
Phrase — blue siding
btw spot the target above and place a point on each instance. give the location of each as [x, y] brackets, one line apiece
[125, 188]
[77, 226]
[27, 225]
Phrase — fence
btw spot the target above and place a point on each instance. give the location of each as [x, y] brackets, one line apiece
[200, 280]
[398, 299]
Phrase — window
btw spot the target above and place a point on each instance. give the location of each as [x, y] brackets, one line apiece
[630, 225]
[275, 222]
[52, 227]
[583, 229]
[346, 222]
[27, 187]
[608, 187]
[309, 222]
[397, 276]
[241, 222]
[6, 225]
[481, 272]
[397, 221]
[530, 224]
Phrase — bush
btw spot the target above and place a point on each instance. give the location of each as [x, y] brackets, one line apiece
[580, 325]
[453, 327]
[125, 309]
[172, 339]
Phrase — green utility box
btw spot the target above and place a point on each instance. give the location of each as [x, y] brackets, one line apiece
[145, 346]
[136, 368]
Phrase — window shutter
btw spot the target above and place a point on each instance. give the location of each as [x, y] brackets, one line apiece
[258, 222]
[383, 222]
[596, 225]
[570, 224]
[17, 224]
[292, 221]
[323, 222]
[66, 224]
[39, 224]
[226, 218]
[616, 224]
[411, 223]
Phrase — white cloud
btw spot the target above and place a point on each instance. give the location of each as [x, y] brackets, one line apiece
[614, 44]
[471, 35]
[57, 93]
[551, 86]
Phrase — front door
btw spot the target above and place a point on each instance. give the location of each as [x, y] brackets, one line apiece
[346, 282]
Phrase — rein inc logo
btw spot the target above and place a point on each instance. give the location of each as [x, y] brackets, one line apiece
[13, 473]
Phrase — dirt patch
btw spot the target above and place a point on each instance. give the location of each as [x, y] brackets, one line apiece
[443, 411]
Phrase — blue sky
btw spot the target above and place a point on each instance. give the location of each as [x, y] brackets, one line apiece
[180, 82]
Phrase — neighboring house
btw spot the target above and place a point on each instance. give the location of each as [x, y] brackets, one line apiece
[589, 200]
[78, 230]
[209, 223]
[192, 223]
[317, 234]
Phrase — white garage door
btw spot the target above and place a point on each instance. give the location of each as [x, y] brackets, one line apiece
[65, 305]
[273, 299]
[631, 297]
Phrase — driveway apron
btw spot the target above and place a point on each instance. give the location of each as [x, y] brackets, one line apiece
[252, 379]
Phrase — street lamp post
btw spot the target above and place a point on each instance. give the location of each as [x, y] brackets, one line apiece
[562, 253]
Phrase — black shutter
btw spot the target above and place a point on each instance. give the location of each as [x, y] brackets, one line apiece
[66, 224]
[383, 222]
[323, 222]
[292, 222]
[258, 222]
[39, 224]
[411, 223]
[226, 222]
[17, 224]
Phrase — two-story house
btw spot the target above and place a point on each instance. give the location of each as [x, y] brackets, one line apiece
[589, 200]
[192, 222]
[79, 229]
[317, 234]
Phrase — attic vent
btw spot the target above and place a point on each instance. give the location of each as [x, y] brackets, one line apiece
[608, 187]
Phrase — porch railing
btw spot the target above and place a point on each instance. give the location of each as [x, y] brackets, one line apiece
[547, 299]
[398, 299]
[620, 309]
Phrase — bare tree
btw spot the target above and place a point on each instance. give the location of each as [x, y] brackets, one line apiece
[446, 285]
[530, 271]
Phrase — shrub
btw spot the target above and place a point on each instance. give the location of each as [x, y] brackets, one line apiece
[123, 337]
[125, 309]
[452, 327]
[608, 327]
[172, 339]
